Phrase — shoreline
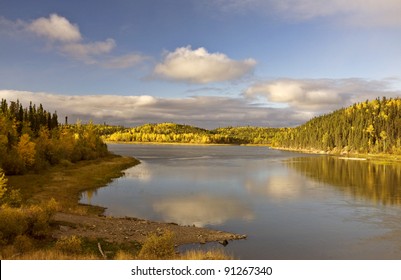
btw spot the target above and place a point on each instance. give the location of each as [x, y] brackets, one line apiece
[66, 183]
[376, 158]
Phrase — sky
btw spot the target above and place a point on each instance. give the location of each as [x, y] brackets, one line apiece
[199, 62]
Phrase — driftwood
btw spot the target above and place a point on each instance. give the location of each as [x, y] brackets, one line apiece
[101, 251]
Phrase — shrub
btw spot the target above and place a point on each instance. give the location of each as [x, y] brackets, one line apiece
[213, 254]
[38, 221]
[12, 163]
[123, 255]
[33, 221]
[7, 195]
[8, 252]
[158, 247]
[12, 198]
[23, 243]
[39, 216]
[13, 223]
[51, 254]
[71, 244]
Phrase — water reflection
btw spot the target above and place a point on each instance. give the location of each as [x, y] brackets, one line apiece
[202, 209]
[380, 183]
[292, 206]
[274, 186]
[141, 172]
[88, 195]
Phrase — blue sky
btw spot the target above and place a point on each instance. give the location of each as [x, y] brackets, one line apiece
[204, 63]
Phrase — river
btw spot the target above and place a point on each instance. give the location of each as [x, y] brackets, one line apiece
[290, 205]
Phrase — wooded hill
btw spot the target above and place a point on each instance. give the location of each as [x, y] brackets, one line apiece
[178, 133]
[366, 127]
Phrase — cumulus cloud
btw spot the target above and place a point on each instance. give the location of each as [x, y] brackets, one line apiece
[200, 66]
[357, 12]
[319, 95]
[55, 28]
[66, 38]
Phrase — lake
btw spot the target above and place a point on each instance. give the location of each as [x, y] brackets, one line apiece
[290, 205]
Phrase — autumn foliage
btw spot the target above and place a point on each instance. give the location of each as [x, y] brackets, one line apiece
[32, 139]
[366, 127]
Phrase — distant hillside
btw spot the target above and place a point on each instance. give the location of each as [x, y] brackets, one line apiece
[178, 133]
[249, 134]
[366, 127]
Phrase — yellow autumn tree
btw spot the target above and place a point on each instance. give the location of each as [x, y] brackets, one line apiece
[26, 150]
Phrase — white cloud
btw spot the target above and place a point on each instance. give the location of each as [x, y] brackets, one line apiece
[368, 13]
[200, 66]
[300, 93]
[55, 28]
[66, 38]
[319, 95]
[207, 112]
[278, 103]
[356, 12]
[202, 209]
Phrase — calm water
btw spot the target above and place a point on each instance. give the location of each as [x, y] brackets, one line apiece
[291, 206]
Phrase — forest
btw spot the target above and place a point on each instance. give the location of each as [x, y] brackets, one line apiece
[178, 133]
[31, 139]
[365, 127]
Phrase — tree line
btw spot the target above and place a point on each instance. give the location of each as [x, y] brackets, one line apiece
[30, 118]
[178, 133]
[365, 127]
[32, 139]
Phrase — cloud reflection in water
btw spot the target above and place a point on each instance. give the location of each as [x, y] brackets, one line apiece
[202, 209]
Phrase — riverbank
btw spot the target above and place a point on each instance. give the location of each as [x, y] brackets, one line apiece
[65, 182]
[376, 158]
